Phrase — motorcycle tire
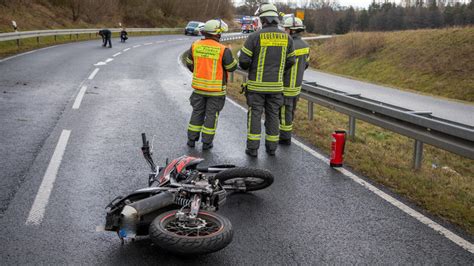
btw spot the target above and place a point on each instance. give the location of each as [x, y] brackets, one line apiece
[166, 233]
[254, 178]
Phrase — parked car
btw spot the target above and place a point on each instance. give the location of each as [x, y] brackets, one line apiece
[194, 28]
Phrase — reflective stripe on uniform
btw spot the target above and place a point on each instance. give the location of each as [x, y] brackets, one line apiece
[290, 92]
[214, 69]
[273, 138]
[261, 63]
[302, 51]
[210, 93]
[287, 128]
[231, 65]
[247, 51]
[291, 54]
[281, 71]
[282, 115]
[189, 60]
[294, 72]
[194, 128]
[209, 131]
[264, 86]
[253, 136]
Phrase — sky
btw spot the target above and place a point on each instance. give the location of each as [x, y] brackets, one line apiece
[354, 3]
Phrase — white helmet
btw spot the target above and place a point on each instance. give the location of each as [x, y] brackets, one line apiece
[267, 10]
[293, 23]
[215, 27]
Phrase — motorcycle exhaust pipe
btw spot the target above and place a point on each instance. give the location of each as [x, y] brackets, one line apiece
[131, 213]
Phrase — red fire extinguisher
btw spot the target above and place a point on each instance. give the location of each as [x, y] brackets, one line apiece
[337, 148]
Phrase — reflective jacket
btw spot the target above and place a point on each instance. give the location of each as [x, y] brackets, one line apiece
[267, 54]
[210, 61]
[294, 77]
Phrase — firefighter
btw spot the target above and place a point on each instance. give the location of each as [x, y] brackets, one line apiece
[293, 78]
[266, 54]
[209, 61]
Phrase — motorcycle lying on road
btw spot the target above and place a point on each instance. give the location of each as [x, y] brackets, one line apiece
[178, 208]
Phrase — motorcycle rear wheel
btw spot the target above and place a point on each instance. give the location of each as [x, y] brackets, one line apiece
[254, 178]
[180, 238]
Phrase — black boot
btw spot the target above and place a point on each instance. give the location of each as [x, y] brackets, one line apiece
[271, 152]
[251, 152]
[191, 143]
[207, 146]
[285, 141]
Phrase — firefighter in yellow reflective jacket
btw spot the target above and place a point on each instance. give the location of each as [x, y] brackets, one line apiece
[267, 54]
[292, 79]
[209, 61]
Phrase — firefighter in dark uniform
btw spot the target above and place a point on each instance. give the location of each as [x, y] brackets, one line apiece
[209, 61]
[266, 54]
[106, 37]
[293, 78]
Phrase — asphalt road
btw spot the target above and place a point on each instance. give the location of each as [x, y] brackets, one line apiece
[311, 214]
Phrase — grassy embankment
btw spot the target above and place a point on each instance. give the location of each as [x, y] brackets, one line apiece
[436, 62]
[40, 17]
[445, 184]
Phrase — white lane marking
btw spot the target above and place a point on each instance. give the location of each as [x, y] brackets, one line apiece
[92, 75]
[80, 95]
[126, 49]
[418, 216]
[109, 60]
[160, 42]
[117, 54]
[148, 43]
[100, 64]
[42, 197]
[136, 46]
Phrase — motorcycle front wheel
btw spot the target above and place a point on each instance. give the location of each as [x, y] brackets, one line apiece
[209, 233]
[252, 178]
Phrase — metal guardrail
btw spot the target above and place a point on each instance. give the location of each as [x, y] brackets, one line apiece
[419, 125]
[42, 33]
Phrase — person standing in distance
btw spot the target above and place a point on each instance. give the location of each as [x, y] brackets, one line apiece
[209, 61]
[266, 54]
[293, 78]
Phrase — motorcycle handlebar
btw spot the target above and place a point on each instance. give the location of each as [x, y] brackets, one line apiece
[145, 142]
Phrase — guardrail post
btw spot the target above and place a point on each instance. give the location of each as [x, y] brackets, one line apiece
[417, 155]
[18, 43]
[38, 40]
[77, 36]
[310, 110]
[352, 127]
[54, 38]
[70, 36]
